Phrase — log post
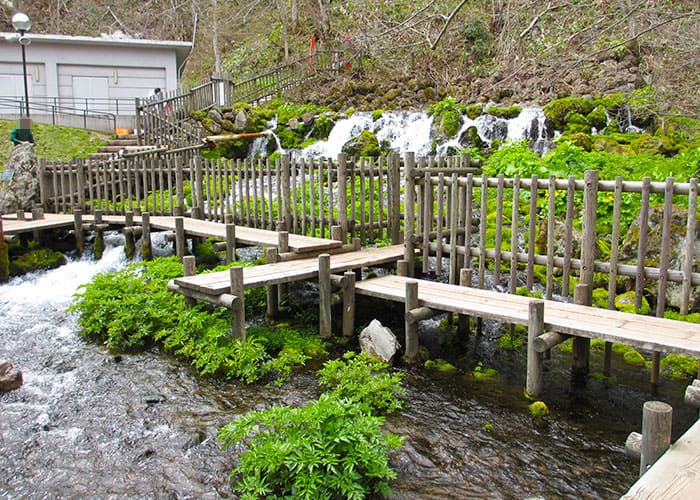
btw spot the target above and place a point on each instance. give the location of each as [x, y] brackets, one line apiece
[402, 268]
[657, 419]
[343, 192]
[588, 244]
[179, 187]
[180, 241]
[129, 240]
[230, 241]
[238, 306]
[410, 213]
[465, 279]
[411, 327]
[98, 247]
[78, 226]
[337, 233]
[146, 247]
[324, 292]
[535, 362]
[581, 346]
[189, 268]
[286, 190]
[349, 304]
[272, 291]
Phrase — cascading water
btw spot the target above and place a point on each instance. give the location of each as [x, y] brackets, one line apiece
[413, 131]
[87, 423]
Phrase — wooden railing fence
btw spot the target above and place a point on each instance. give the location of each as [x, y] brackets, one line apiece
[551, 231]
[547, 231]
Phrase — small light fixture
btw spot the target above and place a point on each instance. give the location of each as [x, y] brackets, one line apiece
[116, 77]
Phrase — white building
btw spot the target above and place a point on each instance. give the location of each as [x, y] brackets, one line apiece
[86, 81]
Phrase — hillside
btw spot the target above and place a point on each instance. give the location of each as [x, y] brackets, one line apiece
[409, 54]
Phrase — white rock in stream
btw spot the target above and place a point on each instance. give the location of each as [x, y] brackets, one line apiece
[379, 341]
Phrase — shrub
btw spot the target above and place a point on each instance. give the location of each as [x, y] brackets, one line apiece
[331, 448]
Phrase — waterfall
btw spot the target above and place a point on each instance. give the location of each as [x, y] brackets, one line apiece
[406, 131]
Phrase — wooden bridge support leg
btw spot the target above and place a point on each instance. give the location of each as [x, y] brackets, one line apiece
[465, 279]
[129, 238]
[409, 254]
[349, 304]
[402, 268]
[282, 247]
[180, 242]
[581, 346]
[230, 241]
[238, 306]
[146, 247]
[411, 350]
[272, 291]
[98, 247]
[78, 227]
[656, 432]
[324, 291]
[535, 363]
[189, 268]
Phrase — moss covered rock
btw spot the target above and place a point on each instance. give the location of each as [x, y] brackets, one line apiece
[557, 110]
[625, 303]
[35, 260]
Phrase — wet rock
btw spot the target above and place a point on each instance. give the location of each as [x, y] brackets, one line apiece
[152, 399]
[241, 121]
[10, 377]
[379, 341]
[20, 192]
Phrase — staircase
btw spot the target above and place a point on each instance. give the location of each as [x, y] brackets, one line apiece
[114, 147]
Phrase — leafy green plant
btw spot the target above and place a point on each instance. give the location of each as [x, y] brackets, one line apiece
[133, 309]
[331, 448]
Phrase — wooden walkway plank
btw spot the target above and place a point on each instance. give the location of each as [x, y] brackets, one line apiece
[643, 332]
[676, 475]
[289, 271]
[246, 235]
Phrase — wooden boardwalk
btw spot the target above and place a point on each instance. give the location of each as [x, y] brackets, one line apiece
[674, 476]
[194, 227]
[214, 284]
[642, 332]
[246, 235]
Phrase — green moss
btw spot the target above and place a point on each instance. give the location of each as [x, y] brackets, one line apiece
[600, 298]
[691, 318]
[678, 367]
[4, 261]
[206, 254]
[474, 111]
[506, 113]
[446, 116]
[625, 303]
[524, 292]
[377, 114]
[597, 118]
[577, 123]
[539, 409]
[322, 127]
[512, 341]
[558, 110]
[634, 358]
[481, 373]
[36, 259]
[581, 139]
[488, 427]
[440, 365]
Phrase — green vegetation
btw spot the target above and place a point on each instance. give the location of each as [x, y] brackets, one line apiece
[446, 116]
[333, 447]
[53, 142]
[539, 409]
[440, 365]
[481, 373]
[31, 257]
[133, 309]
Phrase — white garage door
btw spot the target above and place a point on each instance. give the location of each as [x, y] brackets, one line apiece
[93, 92]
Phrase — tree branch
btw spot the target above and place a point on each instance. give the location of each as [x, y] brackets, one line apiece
[447, 23]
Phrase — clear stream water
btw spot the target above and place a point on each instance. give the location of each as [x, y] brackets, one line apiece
[89, 424]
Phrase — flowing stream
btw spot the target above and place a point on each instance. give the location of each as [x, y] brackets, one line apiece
[90, 424]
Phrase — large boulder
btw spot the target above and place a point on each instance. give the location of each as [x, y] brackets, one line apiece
[10, 377]
[21, 189]
[379, 341]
